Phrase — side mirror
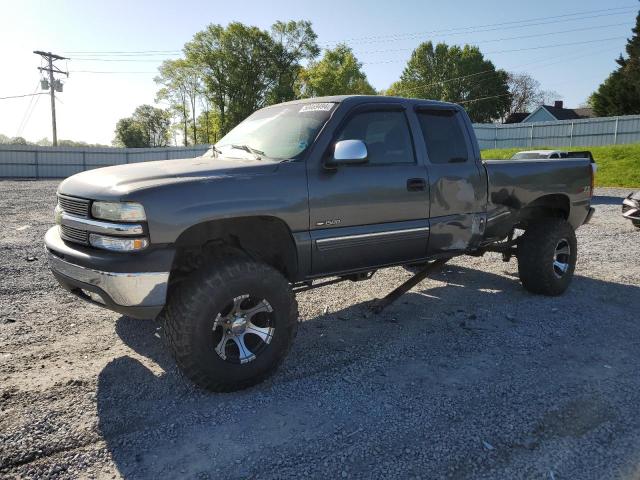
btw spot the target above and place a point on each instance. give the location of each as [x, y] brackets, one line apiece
[348, 152]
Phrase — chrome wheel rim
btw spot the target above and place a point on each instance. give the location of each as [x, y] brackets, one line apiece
[561, 258]
[243, 329]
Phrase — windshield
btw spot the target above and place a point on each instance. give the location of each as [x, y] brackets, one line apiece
[282, 132]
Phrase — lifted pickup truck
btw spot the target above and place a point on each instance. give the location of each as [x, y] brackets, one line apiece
[326, 187]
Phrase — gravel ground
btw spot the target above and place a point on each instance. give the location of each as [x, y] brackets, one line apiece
[467, 376]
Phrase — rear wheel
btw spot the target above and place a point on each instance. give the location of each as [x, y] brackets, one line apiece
[547, 254]
[231, 325]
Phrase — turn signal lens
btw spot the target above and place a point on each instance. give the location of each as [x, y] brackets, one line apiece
[118, 244]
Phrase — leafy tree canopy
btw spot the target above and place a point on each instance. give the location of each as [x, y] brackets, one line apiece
[337, 73]
[619, 94]
[147, 127]
[455, 74]
[181, 87]
[245, 68]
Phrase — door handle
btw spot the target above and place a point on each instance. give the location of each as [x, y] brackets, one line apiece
[416, 184]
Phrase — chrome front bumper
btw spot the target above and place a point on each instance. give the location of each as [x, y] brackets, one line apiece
[143, 289]
[137, 294]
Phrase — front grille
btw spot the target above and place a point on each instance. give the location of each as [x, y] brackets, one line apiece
[74, 206]
[74, 234]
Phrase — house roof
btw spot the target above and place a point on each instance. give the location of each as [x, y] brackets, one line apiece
[516, 117]
[586, 112]
[561, 113]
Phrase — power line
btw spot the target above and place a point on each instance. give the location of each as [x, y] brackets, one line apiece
[110, 71]
[123, 52]
[545, 63]
[503, 39]
[623, 10]
[96, 59]
[539, 47]
[26, 112]
[462, 102]
[498, 26]
[28, 117]
[21, 96]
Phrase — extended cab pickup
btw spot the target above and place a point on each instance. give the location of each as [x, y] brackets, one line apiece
[327, 187]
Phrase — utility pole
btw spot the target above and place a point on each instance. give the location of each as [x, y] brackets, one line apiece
[53, 85]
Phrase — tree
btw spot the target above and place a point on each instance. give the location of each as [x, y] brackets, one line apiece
[155, 124]
[129, 134]
[245, 68]
[455, 74]
[208, 124]
[293, 42]
[180, 82]
[147, 127]
[619, 94]
[18, 141]
[337, 73]
[526, 93]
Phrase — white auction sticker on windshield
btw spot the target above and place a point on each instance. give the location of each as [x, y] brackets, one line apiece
[316, 107]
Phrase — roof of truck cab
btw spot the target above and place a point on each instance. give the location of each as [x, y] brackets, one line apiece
[369, 99]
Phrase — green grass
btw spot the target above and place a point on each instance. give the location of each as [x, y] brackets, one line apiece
[618, 165]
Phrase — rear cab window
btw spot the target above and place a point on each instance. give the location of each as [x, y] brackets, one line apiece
[444, 136]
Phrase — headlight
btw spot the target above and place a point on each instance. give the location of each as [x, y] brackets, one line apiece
[118, 212]
[118, 244]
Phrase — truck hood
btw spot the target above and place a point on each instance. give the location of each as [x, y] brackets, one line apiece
[117, 182]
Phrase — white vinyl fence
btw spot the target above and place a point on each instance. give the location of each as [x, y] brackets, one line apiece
[60, 162]
[565, 133]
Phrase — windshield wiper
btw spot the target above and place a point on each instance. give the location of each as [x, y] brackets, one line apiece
[253, 151]
[215, 150]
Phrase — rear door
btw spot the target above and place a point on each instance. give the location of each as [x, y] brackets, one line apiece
[457, 181]
[375, 213]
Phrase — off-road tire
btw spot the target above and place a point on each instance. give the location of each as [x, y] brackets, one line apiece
[536, 252]
[192, 309]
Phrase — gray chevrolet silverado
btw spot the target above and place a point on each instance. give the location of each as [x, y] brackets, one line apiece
[338, 187]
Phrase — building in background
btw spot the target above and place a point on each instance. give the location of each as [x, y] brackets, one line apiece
[550, 113]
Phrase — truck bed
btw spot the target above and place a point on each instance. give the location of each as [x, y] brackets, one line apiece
[514, 185]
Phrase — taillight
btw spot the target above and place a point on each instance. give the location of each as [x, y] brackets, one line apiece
[593, 170]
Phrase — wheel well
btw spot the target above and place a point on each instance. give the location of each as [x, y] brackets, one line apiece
[263, 238]
[555, 206]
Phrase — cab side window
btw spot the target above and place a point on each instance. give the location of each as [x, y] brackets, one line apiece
[385, 133]
[442, 132]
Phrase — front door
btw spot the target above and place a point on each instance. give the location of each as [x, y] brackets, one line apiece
[375, 213]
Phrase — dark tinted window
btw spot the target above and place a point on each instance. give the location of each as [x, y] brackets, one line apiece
[386, 135]
[443, 133]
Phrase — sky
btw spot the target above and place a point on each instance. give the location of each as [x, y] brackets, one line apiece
[569, 46]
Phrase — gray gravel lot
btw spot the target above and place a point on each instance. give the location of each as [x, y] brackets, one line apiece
[468, 376]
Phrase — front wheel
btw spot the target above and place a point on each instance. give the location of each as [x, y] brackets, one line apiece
[230, 325]
[547, 254]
